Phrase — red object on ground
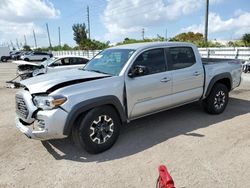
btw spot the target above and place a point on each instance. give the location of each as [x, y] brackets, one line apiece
[164, 180]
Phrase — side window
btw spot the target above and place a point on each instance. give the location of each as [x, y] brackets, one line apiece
[180, 57]
[153, 60]
[73, 61]
[65, 61]
[61, 62]
[78, 61]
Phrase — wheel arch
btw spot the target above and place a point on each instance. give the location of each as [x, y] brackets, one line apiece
[87, 105]
[224, 78]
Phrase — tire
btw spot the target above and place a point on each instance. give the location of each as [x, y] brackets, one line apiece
[98, 130]
[3, 59]
[217, 100]
[26, 59]
[44, 59]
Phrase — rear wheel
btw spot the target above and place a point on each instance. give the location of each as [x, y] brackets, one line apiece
[26, 59]
[98, 130]
[217, 100]
[44, 59]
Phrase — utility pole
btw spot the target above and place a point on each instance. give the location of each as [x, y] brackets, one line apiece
[34, 35]
[206, 21]
[143, 33]
[59, 34]
[48, 35]
[25, 41]
[12, 44]
[17, 44]
[166, 34]
[88, 21]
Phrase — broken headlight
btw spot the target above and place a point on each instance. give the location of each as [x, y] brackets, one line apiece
[49, 102]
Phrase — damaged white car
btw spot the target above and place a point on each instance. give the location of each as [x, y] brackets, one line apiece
[58, 63]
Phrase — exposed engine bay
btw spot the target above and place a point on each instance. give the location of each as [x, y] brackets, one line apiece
[24, 70]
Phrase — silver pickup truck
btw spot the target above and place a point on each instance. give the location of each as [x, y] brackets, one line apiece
[118, 85]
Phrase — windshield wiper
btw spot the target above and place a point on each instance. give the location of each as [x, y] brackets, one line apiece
[96, 71]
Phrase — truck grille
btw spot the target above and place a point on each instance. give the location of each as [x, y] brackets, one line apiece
[21, 107]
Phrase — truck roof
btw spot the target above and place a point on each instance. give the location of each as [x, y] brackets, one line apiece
[137, 46]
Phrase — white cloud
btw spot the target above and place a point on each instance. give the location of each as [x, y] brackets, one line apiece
[122, 17]
[216, 1]
[239, 24]
[27, 10]
[18, 17]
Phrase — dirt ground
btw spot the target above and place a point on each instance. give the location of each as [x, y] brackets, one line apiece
[200, 150]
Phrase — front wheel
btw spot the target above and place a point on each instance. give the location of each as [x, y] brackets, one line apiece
[98, 130]
[217, 100]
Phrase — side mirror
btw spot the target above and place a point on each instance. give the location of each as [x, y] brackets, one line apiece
[138, 70]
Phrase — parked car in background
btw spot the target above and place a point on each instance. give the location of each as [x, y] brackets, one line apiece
[118, 85]
[4, 54]
[246, 66]
[36, 56]
[57, 63]
[16, 55]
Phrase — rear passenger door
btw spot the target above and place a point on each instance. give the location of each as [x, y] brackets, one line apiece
[151, 91]
[188, 74]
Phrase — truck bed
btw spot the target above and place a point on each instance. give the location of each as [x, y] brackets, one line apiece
[219, 60]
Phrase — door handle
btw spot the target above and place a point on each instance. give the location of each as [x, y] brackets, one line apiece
[196, 73]
[165, 79]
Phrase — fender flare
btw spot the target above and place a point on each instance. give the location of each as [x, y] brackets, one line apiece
[216, 78]
[92, 103]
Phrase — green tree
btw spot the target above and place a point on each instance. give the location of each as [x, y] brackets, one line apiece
[80, 36]
[246, 39]
[131, 41]
[196, 38]
[26, 48]
[66, 47]
[79, 32]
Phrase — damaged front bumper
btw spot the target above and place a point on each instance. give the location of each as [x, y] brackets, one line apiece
[39, 135]
[38, 124]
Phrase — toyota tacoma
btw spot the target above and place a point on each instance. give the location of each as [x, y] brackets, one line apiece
[118, 85]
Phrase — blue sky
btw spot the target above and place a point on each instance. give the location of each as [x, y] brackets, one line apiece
[113, 20]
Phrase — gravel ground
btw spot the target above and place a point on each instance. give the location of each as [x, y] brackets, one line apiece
[200, 150]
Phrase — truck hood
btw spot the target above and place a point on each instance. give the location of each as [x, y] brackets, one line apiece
[50, 82]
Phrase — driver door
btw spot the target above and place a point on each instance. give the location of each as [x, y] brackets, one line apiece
[151, 91]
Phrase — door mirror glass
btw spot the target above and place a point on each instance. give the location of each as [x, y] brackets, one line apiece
[138, 70]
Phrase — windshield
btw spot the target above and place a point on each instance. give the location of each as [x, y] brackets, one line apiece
[48, 61]
[109, 61]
